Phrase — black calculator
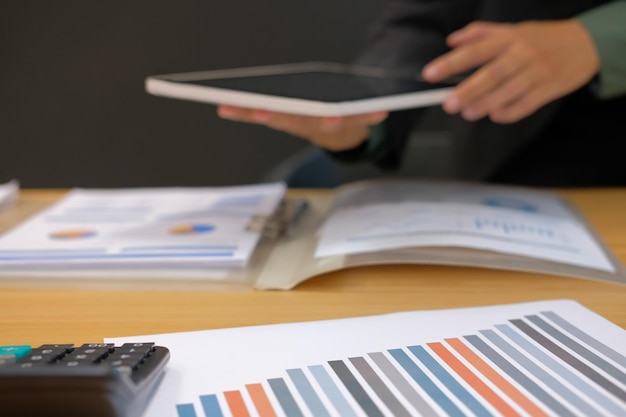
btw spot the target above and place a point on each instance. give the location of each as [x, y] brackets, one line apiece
[94, 380]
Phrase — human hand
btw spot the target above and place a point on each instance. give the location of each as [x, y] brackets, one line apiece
[332, 133]
[523, 66]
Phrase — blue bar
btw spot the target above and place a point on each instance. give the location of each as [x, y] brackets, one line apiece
[533, 368]
[580, 349]
[286, 400]
[425, 382]
[565, 372]
[403, 385]
[308, 393]
[511, 370]
[332, 392]
[448, 380]
[570, 359]
[186, 410]
[210, 406]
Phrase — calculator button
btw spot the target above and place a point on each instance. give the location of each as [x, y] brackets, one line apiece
[131, 360]
[82, 357]
[97, 345]
[17, 352]
[95, 352]
[37, 357]
[53, 379]
[143, 348]
[65, 347]
[31, 364]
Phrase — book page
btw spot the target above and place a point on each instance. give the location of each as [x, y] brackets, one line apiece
[378, 216]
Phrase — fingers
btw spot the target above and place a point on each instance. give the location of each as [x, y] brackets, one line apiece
[473, 46]
[523, 106]
[471, 33]
[496, 84]
[520, 67]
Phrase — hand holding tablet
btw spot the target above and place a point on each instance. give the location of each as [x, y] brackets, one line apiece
[331, 105]
[329, 132]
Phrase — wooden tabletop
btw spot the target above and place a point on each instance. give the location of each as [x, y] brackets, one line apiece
[34, 316]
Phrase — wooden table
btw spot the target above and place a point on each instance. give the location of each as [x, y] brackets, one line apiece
[35, 316]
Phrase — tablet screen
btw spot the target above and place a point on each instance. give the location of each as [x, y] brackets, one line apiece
[325, 86]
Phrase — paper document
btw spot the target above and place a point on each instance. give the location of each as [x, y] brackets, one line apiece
[550, 358]
[8, 192]
[212, 227]
[502, 219]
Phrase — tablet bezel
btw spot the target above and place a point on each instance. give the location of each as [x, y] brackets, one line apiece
[177, 86]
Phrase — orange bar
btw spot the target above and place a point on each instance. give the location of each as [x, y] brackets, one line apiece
[236, 404]
[260, 400]
[496, 378]
[464, 372]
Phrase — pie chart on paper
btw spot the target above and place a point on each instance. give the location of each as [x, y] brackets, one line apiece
[73, 234]
[191, 229]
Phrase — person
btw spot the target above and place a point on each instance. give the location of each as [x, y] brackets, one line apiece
[542, 101]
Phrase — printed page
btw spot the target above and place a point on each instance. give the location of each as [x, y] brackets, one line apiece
[547, 358]
[210, 226]
[378, 216]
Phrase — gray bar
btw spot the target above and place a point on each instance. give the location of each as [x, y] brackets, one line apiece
[379, 387]
[308, 393]
[405, 388]
[542, 375]
[578, 348]
[566, 373]
[591, 341]
[355, 389]
[517, 375]
[286, 400]
[570, 359]
[424, 381]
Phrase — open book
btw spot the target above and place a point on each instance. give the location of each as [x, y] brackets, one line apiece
[444, 223]
[363, 223]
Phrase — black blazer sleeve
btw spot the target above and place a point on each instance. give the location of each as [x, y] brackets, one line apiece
[407, 35]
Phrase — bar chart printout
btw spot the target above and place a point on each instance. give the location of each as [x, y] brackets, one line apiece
[536, 359]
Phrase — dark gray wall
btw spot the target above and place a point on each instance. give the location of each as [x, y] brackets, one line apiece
[73, 111]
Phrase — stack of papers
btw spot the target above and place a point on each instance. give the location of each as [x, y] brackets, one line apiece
[198, 227]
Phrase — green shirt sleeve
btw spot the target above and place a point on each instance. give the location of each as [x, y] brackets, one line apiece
[607, 26]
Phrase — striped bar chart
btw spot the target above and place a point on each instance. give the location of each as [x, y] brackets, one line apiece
[535, 365]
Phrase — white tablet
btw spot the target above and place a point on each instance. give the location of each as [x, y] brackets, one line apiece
[310, 88]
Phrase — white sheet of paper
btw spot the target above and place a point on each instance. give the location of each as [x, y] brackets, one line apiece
[8, 192]
[560, 356]
[205, 226]
[502, 219]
